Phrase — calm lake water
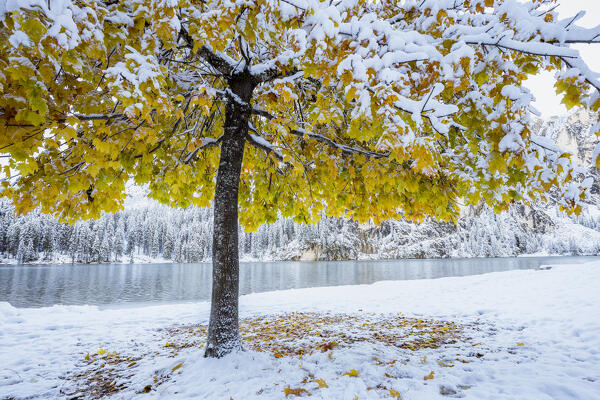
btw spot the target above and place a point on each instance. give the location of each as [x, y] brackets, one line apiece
[112, 284]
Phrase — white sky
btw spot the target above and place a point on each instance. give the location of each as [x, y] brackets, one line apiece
[542, 86]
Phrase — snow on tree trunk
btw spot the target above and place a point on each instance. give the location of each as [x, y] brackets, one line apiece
[223, 329]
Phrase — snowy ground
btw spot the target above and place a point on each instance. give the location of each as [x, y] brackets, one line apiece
[531, 335]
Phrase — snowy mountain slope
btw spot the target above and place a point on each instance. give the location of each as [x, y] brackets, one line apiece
[571, 133]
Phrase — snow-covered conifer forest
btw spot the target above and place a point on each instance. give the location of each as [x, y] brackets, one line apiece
[147, 231]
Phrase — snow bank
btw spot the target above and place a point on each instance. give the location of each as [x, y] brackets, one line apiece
[536, 336]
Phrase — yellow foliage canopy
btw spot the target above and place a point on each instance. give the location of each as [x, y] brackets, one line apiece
[369, 110]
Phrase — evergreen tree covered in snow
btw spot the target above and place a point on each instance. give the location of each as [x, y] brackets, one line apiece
[157, 231]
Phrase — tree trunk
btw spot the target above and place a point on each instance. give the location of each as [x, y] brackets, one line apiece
[223, 330]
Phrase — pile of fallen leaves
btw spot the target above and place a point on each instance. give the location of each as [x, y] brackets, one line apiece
[105, 373]
[297, 334]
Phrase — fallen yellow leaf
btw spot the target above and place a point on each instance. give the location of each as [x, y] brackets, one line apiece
[352, 372]
[395, 394]
[443, 364]
[321, 383]
[295, 392]
[175, 368]
[428, 377]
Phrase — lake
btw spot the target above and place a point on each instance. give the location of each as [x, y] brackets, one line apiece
[121, 284]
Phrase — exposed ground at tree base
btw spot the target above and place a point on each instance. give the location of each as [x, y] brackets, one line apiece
[512, 335]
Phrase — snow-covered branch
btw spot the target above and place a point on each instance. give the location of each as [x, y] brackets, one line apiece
[261, 143]
[96, 117]
[219, 61]
[265, 75]
[206, 143]
[343, 148]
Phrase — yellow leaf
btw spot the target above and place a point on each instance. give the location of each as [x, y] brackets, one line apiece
[87, 357]
[443, 364]
[295, 392]
[175, 368]
[395, 394]
[350, 93]
[34, 29]
[352, 372]
[93, 170]
[321, 383]
[497, 162]
[428, 377]
[101, 351]
[520, 344]
[287, 96]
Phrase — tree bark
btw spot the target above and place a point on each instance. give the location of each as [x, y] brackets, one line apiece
[223, 329]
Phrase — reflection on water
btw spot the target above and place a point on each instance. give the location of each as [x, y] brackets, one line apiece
[38, 286]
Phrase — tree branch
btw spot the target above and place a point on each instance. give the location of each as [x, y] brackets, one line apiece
[584, 72]
[217, 61]
[262, 113]
[261, 143]
[95, 117]
[545, 49]
[206, 142]
[272, 73]
[345, 149]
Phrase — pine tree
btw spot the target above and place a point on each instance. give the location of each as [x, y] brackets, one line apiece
[155, 247]
[104, 253]
[119, 242]
[169, 243]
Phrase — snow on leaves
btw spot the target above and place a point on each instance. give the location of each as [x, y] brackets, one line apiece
[372, 110]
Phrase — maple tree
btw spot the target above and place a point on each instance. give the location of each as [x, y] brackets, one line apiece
[371, 110]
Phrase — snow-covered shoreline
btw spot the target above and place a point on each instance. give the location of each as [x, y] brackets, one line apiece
[66, 260]
[537, 337]
[247, 259]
